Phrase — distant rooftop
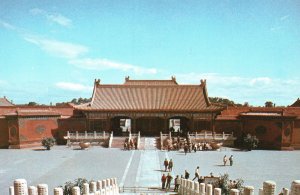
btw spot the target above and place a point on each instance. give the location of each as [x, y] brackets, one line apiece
[5, 102]
[296, 103]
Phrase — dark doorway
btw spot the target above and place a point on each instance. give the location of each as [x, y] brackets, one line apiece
[178, 125]
[149, 126]
[121, 125]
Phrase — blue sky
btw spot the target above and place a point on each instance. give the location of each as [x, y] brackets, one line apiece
[249, 51]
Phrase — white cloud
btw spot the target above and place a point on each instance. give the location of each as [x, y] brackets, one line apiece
[103, 64]
[73, 86]
[7, 25]
[58, 48]
[260, 81]
[284, 17]
[53, 17]
[255, 90]
[276, 28]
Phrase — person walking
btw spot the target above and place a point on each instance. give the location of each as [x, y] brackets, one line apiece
[170, 166]
[176, 182]
[186, 174]
[185, 149]
[169, 179]
[197, 173]
[231, 160]
[225, 160]
[163, 181]
[166, 164]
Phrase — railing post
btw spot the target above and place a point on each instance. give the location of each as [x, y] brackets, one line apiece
[104, 134]
[202, 188]
[76, 135]
[93, 187]
[234, 192]
[170, 135]
[11, 190]
[295, 187]
[269, 188]
[86, 189]
[205, 135]
[20, 187]
[58, 191]
[217, 191]
[85, 134]
[209, 189]
[223, 135]
[248, 190]
[260, 191]
[32, 190]
[95, 135]
[76, 190]
[42, 189]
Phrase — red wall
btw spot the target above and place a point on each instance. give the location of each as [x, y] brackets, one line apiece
[69, 124]
[33, 130]
[272, 138]
[3, 133]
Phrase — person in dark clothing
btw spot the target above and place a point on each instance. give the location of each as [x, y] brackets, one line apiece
[185, 149]
[166, 163]
[163, 181]
[186, 174]
[231, 160]
[201, 179]
[176, 182]
[169, 179]
[170, 166]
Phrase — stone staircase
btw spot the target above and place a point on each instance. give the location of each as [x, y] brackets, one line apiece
[142, 143]
[118, 142]
[150, 143]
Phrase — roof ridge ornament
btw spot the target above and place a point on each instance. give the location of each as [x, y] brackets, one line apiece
[126, 78]
[97, 81]
[173, 78]
[203, 82]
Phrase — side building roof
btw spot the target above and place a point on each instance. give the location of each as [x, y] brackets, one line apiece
[5, 102]
[150, 95]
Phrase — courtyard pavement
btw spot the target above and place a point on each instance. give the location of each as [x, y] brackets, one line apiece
[142, 168]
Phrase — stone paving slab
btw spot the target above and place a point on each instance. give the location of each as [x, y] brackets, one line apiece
[62, 164]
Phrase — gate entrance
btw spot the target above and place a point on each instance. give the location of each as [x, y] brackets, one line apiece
[149, 126]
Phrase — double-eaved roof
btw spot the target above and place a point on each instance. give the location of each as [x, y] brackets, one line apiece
[150, 95]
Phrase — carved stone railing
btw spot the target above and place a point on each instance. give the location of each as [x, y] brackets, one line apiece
[75, 137]
[269, 188]
[106, 186]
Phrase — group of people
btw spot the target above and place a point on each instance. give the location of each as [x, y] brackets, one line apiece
[187, 145]
[130, 144]
[166, 182]
[168, 165]
[230, 159]
[167, 179]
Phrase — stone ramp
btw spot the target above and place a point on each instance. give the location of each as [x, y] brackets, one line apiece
[142, 143]
[118, 142]
[150, 143]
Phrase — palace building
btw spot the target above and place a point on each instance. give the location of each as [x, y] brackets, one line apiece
[148, 107]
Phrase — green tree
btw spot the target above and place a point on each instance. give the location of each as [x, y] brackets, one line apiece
[226, 186]
[32, 104]
[67, 188]
[269, 104]
[250, 142]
